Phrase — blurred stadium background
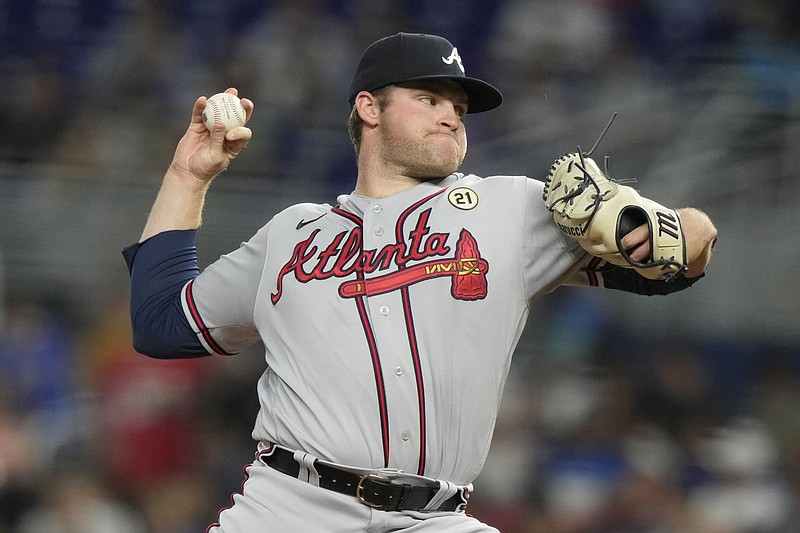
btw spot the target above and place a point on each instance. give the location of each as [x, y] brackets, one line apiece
[622, 414]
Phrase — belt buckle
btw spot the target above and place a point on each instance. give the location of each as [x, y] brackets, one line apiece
[360, 489]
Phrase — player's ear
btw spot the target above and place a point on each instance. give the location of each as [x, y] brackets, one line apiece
[367, 106]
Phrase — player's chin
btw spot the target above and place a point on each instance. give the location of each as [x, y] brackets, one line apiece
[435, 163]
[448, 162]
[438, 171]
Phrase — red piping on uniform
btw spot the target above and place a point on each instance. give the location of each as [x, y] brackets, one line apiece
[379, 383]
[412, 338]
[412, 343]
[373, 348]
[198, 320]
[591, 273]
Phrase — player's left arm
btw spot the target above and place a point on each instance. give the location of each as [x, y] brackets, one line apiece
[700, 235]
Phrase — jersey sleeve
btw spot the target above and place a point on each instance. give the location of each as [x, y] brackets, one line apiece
[220, 303]
[549, 258]
[160, 268]
[179, 312]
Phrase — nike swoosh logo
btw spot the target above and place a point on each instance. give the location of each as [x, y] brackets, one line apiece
[307, 222]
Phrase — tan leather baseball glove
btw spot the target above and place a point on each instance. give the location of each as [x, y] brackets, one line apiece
[598, 212]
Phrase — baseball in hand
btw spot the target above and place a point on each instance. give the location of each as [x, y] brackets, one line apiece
[225, 108]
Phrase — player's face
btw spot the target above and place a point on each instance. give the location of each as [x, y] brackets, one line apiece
[422, 129]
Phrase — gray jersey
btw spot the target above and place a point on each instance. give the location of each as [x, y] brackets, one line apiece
[389, 324]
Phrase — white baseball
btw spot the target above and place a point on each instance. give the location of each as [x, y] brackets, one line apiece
[225, 108]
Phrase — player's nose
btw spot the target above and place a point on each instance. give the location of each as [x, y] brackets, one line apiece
[451, 116]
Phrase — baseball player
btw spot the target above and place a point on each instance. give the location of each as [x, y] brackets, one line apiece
[389, 317]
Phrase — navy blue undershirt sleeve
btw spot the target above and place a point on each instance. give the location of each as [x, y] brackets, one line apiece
[159, 268]
[628, 280]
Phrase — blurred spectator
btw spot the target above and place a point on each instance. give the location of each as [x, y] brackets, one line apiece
[35, 355]
[302, 110]
[747, 492]
[2, 294]
[147, 422]
[768, 44]
[228, 406]
[583, 467]
[75, 500]
[552, 60]
[775, 399]
[146, 430]
[650, 498]
[677, 395]
[19, 461]
[36, 117]
[177, 503]
[674, 35]
[506, 495]
[37, 368]
[154, 435]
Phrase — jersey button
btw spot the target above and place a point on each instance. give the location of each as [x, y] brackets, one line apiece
[398, 370]
[377, 208]
[378, 231]
[384, 310]
[405, 435]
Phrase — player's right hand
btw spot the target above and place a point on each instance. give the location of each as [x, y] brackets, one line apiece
[202, 154]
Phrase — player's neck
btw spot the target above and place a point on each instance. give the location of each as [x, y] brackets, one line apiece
[384, 187]
[377, 181]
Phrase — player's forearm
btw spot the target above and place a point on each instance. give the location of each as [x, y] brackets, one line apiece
[178, 206]
[700, 234]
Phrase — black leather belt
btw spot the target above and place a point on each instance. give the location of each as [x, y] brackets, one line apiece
[373, 490]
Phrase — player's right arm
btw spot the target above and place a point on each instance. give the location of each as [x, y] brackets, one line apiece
[164, 260]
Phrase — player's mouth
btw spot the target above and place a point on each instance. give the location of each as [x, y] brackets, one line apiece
[449, 135]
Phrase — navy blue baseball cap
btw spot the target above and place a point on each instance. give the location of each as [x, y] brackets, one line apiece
[419, 56]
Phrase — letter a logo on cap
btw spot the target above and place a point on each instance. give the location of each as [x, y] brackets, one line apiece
[454, 57]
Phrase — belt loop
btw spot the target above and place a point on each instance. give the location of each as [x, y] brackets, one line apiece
[308, 471]
[464, 493]
[446, 490]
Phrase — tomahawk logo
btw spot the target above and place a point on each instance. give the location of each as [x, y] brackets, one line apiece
[467, 271]
[454, 57]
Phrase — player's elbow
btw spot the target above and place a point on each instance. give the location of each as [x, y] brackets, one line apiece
[152, 347]
[145, 346]
[159, 349]
[165, 338]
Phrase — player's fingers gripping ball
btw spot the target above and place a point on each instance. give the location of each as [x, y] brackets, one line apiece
[598, 212]
[225, 108]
